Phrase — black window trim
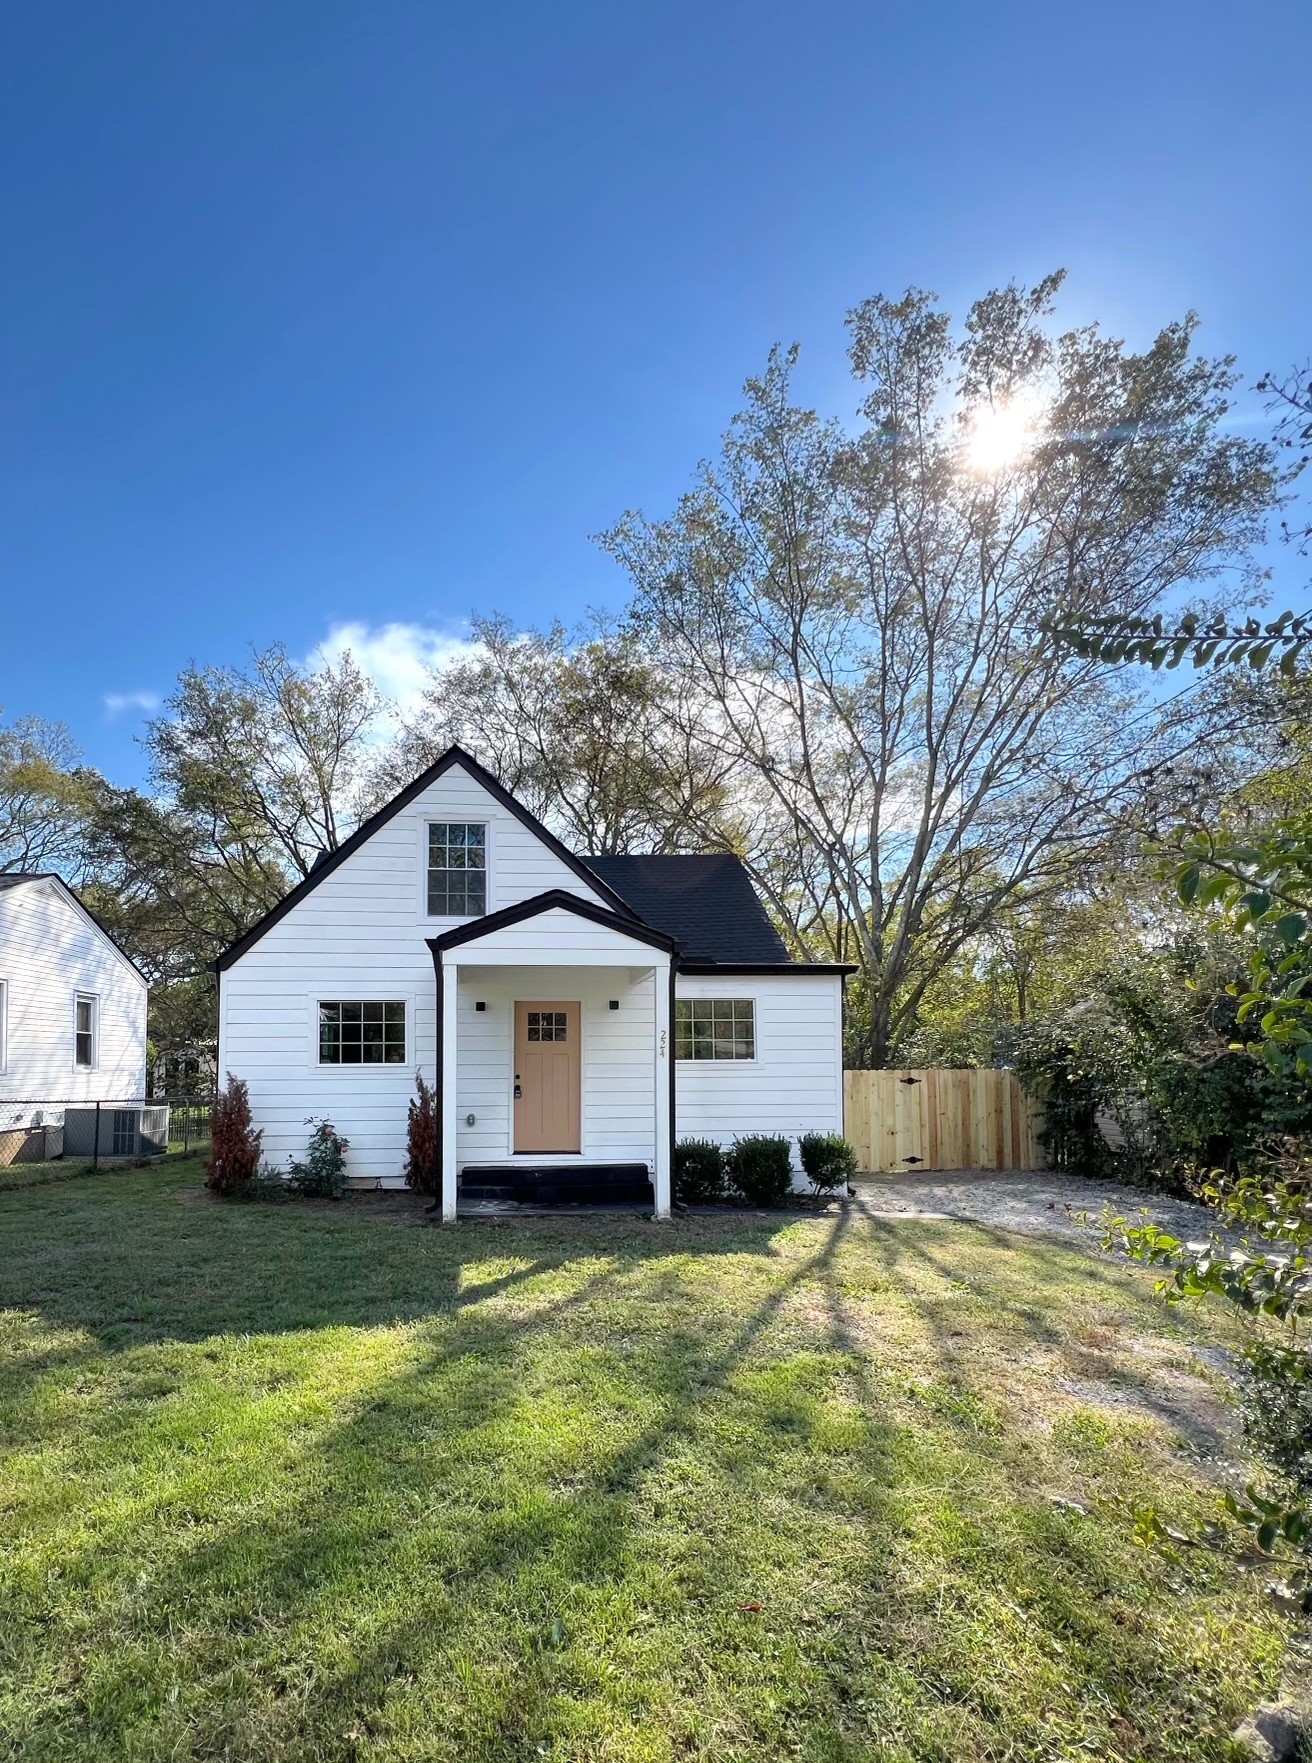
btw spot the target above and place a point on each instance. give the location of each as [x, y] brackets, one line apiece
[383, 1064]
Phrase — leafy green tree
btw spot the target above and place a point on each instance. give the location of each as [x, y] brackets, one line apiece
[42, 798]
[255, 773]
[858, 620]
[270, 763]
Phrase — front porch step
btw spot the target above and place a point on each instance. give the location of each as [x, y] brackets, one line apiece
[547, 1184]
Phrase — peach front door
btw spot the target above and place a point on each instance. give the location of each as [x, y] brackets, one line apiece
[547, 1077]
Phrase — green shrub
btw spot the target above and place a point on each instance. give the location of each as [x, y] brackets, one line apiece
[761, 1168]
[828, 1158]
[699, 1174]
[267, 1184]
[322, 1176]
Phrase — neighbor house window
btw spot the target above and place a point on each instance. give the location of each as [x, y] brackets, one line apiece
[714, 1028]
[4, 1024]
[86, 1025]
[457, 869]
[352, 1033]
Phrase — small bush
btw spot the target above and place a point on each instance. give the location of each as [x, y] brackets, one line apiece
[699, 1174]
[322, 1176]
[267, 1184]
[421, 1139]
[761, 1168]
[828, 1158]
[234, 1143]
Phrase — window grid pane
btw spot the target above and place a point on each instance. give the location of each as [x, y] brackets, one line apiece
[457, 869]
[714, 1028]
[367, 1032]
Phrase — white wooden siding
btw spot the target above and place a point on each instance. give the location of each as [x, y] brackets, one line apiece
[361, 934]
[618, 1078]
[50, 950]
[567, 936]
[794, 1084]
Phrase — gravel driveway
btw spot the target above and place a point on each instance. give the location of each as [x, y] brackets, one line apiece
[1043, 1202]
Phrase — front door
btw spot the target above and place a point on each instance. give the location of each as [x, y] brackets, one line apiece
[547, 1077]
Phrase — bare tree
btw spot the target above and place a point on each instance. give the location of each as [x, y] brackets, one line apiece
[858, 620]
[582, 728]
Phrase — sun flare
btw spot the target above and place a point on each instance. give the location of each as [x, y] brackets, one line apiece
[999, 435]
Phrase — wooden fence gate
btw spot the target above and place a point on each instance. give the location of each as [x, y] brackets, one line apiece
[910, 1120]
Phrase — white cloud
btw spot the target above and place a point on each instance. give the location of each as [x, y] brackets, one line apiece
[119, 703]
[397, 657]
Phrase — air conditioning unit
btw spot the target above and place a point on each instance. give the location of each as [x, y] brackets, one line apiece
[140, 1131]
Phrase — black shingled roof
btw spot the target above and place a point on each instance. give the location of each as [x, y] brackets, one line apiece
[707, 903]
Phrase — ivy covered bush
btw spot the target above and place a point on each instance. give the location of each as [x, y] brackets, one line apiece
[699, 1172]
[761, 1168]
[830, 1160]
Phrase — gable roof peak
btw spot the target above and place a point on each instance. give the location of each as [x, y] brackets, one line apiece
[454, 755]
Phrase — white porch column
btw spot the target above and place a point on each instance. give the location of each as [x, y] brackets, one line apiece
[447, 1079]
[664, 1051]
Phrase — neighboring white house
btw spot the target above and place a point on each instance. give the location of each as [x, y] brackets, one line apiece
[72, 1006]
[576, 1013]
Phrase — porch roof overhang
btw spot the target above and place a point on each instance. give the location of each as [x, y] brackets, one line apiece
[492, 942]
[487, 941]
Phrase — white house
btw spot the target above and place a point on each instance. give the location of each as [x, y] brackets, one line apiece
[576, 1013]
[72, 1008]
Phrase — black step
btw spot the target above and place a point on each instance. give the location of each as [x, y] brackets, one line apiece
[547, 1184]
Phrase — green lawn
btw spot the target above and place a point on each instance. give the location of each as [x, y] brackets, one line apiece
[322, 1482]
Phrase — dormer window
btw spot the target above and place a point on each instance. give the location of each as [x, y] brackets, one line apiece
[457, 869]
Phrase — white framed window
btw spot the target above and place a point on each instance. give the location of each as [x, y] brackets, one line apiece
[86, 1031]
[457, 869]
[714, 1028]
[4, 1025]
[362, 1031]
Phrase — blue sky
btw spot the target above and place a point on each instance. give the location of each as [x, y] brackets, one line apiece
[366, 315]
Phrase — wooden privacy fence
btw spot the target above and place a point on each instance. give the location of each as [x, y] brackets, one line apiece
[909, 1120]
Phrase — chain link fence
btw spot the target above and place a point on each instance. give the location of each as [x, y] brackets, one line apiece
[46, 1129]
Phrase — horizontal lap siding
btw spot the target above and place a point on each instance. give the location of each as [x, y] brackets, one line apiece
[795, 1083]
[361, 932]
[49, 951]
[618, 1084]
[564, 933]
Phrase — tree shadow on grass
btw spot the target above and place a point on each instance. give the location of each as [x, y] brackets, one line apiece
[537, 1518]
[554, 1529]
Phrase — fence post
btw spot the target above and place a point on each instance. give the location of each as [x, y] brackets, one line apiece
[186, 1128]
[95, 1144]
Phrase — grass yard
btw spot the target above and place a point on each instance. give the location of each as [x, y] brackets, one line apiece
[320, 1482]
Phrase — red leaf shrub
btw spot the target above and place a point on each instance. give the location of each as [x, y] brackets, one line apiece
[421, 1139]
[234, 1143]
